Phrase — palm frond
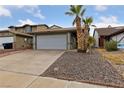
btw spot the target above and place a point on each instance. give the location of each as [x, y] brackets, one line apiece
[93, 25]
[90, 20]
[78, 8]
[82, 12]
[69, 13]
[87, 20]
[74, 22]
[71, 6]
[84, 21]
[73, 10]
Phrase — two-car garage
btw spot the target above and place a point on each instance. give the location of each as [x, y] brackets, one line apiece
[53, 41]
[59, 38]
[51, 38]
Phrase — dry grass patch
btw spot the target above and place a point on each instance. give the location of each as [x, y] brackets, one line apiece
[116, 57]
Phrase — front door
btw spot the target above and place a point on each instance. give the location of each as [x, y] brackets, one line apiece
[101, 41]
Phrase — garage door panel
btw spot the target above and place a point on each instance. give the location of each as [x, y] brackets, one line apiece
[6, 40]
[51, 41]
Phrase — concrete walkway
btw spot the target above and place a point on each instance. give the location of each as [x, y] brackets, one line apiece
[18, 80]
[22, 70]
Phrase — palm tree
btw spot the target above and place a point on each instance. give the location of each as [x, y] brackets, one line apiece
[87, 24]
[77, 11]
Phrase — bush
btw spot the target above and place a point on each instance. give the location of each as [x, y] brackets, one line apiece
[91, 41]
[111, 45]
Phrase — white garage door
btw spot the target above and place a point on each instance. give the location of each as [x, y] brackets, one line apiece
[6, 40]
[51, 41]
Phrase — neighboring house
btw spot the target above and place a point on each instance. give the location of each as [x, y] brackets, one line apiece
[17, 37]
[109, 33]
[14, 40]
[54, 26]
[41, 37]
[5, 37]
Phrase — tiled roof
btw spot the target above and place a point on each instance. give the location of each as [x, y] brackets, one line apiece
[2, 31]
[109, 31]
[54, 26]
[56, 30]
[22, 34]
[15, 32]
[28, 25]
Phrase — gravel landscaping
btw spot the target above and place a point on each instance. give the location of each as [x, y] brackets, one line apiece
[90, 68]
[120, 69]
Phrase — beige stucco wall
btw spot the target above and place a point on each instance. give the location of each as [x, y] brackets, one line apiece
[18, 29]
[96, 36]
[22, 30]
[20, 42]
[40, 28]
[34, 29]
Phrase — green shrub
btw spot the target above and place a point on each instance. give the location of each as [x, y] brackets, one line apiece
[111, 45]
[91, 41]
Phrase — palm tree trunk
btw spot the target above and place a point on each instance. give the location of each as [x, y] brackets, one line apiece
[86, 35]
[80, 35]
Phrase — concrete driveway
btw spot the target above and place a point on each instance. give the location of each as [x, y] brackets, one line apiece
[29, 62]
[22, 70]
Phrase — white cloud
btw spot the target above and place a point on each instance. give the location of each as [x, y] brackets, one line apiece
[104, 21]
[4, 11]
[108, 19]
[1, 28]
[27, 21]
[33, 10]
[98, 25]
[19, 6]
[25, 6]
[101, 7]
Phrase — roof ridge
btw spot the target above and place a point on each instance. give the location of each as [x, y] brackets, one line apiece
[28, 25]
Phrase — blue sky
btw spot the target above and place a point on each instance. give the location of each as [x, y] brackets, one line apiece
[52, 14]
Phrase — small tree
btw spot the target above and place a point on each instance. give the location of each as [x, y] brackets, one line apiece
[91, 42]
[87, 23]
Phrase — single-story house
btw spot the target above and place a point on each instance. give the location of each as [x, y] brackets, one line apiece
[109, 33]
[14, 40]
[55, 38]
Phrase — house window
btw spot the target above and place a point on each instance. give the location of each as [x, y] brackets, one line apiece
[28, 29]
